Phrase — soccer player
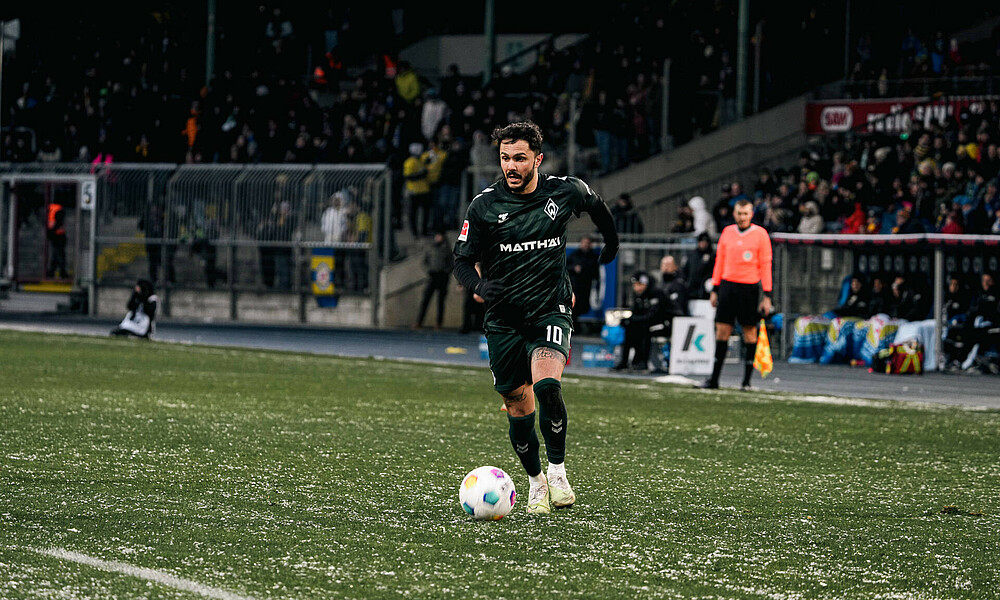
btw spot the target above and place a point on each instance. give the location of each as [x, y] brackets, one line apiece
[516, 230]
[742, 270]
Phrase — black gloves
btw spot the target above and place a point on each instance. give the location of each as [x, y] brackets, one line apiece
[489, 290]
[608, 253]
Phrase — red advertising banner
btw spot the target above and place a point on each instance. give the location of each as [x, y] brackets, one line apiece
[893, 116]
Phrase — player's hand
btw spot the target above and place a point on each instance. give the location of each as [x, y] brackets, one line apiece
[608, 253]
[765, 306]
[713, 299]
[490, 290]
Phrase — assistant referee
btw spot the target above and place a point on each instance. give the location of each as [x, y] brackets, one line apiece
[742, 270]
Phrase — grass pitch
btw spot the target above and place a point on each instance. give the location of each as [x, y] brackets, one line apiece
[232, 473]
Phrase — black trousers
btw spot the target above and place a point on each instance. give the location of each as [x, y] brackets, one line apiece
[959, 341]
[637, 336]
[422, 204]
[57, 260]
[437, 284]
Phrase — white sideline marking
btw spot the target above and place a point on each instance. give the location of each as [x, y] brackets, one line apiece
[142, 573]
[678, 379]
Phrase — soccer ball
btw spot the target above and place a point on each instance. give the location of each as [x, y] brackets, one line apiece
[487, 493]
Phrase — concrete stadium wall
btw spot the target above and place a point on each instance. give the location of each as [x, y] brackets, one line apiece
[403, 284]
[251, 307]
[659, 184]
[431, 56]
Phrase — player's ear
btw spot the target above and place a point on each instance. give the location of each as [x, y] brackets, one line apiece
[538, 159]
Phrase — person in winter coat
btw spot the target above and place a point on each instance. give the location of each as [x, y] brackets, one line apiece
[141, 305]
[627, 219]
[649, 308]
[698, 268]
[439, 262]
[812, 221]
[857, 302]
[674, 288]
[704, 222]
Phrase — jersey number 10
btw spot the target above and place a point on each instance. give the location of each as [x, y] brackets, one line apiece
[554, 334]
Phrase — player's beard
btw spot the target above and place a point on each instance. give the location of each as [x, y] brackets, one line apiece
[527, 179]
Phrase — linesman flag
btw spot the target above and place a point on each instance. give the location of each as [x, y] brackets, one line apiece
[762, 357]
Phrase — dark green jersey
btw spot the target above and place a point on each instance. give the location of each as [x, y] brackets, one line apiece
[521, 241]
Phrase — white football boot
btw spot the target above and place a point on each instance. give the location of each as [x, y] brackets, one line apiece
[560, 493]
[538, 497]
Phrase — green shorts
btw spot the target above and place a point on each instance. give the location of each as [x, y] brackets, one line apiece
[511, 347]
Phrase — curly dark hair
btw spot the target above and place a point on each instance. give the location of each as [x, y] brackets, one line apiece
[524, 130]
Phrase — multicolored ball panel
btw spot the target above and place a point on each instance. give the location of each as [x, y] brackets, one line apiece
[486, 493]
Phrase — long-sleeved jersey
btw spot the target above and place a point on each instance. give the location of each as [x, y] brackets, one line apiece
[520, 241]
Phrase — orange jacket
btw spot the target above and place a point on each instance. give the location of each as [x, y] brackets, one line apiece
[55, 221]
[191, 129]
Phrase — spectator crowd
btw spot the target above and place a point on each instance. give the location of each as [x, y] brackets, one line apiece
[936, 180]
[138, 96]
[327, 85]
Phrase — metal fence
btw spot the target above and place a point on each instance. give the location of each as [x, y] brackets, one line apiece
[242, 228]
[810, 271]
[245, 227]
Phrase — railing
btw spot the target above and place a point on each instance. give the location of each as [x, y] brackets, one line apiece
[969, 84]
[240, 228]
[534, 51]
[809, 271]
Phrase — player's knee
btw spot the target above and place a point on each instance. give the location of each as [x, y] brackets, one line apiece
[548, 394]
[518, 401]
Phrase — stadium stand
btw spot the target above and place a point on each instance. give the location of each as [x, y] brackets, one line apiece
[295, 86]
[938, 180]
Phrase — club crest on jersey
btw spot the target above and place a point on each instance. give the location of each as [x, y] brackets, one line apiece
[551, 209]
[502, 217]
[464, 236]
[747, 255]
